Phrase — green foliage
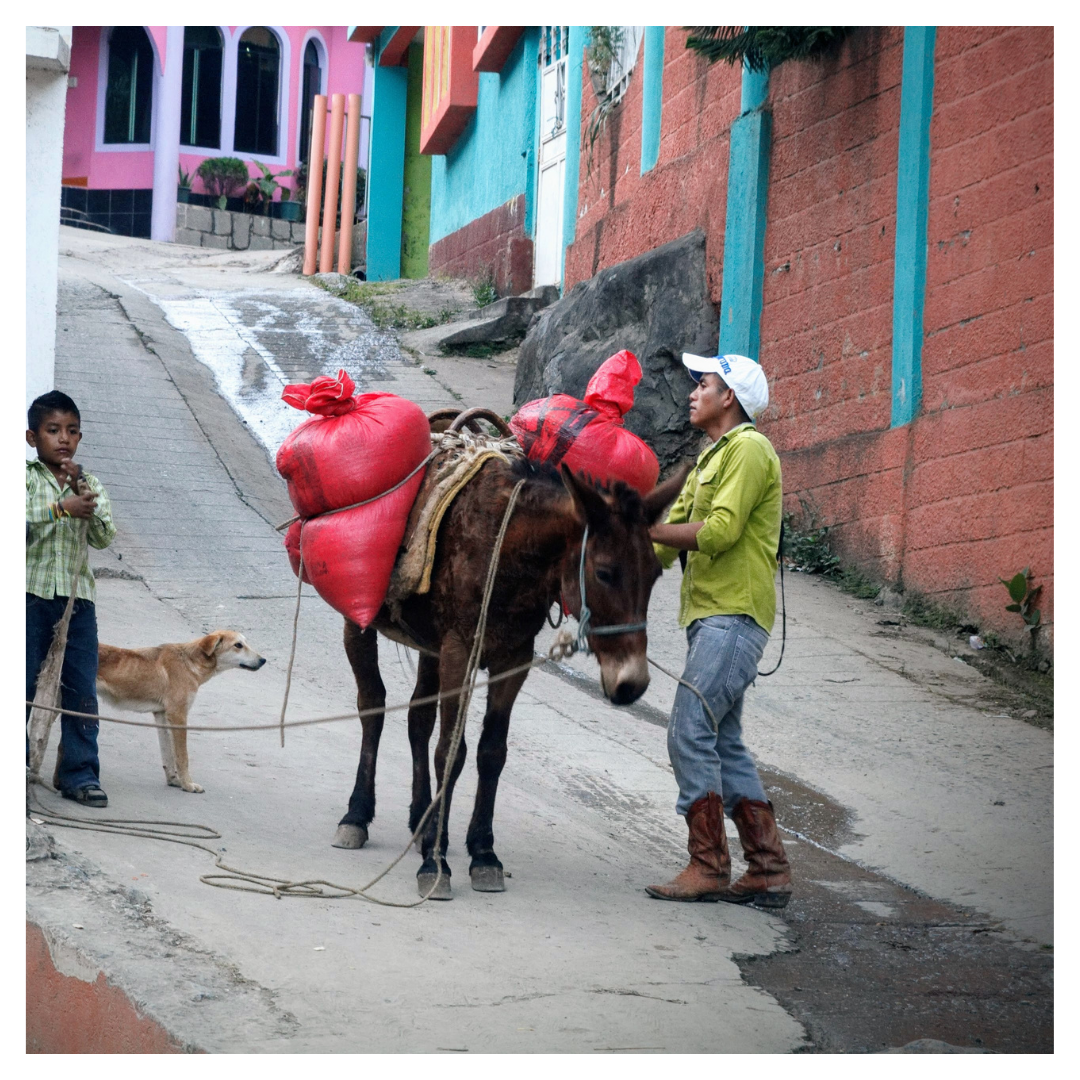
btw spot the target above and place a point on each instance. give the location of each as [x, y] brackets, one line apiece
[267, 184]
[600, 53]
[809, 550]
[764, 47]
[371, 296]
[922, 612]
[184, 179]
[222, 176]
[484, 291]
[1023, 598]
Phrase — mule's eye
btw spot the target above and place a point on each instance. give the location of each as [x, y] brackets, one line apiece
[605, 575]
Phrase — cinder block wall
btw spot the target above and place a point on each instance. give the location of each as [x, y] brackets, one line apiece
[493, 243]
[962, 495]
[200, 226]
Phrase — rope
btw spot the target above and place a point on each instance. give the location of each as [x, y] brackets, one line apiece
[246, 881]
[585, 626]
[689, 686]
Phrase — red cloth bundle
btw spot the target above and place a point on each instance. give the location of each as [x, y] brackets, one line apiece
[588, 436]
[352, 450]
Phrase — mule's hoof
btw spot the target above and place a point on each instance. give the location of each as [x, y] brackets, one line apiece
[349, 836]
[487, 879]
[425, 883]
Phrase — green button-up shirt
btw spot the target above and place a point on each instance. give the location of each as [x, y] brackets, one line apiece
[52, 547]
[736, 491]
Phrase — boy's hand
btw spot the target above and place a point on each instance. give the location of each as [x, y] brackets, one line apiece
[80, 506]
[71, 472]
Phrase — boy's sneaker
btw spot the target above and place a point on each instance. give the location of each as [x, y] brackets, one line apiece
[88, 796]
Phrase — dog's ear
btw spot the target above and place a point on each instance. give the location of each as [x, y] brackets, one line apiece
[210, 644]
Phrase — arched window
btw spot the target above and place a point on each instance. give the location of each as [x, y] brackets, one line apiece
[258, 66]
[200, 108]
[129, 90]
[312, 85]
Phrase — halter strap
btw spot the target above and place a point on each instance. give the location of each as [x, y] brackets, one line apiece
[585, 626]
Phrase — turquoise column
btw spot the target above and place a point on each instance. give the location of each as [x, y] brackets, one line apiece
[652, 96]
[575, 56]
[387, 179]
[744, 227]
[912, 206]
[530, 148]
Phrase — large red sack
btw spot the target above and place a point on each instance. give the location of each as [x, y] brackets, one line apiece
[588, 436]
[352, 450]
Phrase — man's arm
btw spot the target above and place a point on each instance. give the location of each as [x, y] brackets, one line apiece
[744, 476]
[665, 549]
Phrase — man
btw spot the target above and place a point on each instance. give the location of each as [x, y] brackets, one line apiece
[727, 519]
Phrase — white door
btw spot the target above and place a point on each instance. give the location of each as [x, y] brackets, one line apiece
[547, 268]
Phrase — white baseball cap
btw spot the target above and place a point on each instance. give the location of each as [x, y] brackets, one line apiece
[740, 373]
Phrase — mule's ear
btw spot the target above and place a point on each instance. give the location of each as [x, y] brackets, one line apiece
[589, 504]
[663, 495]
[209, 644]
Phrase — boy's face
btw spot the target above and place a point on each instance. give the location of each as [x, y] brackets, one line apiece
[57, 439]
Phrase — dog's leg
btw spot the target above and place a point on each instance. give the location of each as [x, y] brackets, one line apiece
[178, 718]
[168, 758]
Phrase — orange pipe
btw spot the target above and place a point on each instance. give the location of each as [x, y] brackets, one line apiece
[314, 192]
[333, 182]
[348, 188]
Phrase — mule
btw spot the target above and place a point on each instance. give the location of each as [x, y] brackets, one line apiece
[539, 565]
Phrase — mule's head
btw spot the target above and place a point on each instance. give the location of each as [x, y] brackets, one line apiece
[620, 571]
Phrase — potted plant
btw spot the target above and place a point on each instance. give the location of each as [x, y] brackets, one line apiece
[183, 188]
[268, 185]
[222, 177]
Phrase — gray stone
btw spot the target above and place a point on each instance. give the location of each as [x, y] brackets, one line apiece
[261, 243]
[211, 241]
[188, 236]
[336, 283]
[279, 230]
[935, 1046]
[260, 225]
[657, 305]
[201, 218]
[298, 231]
[223, 222]
[889, 599]
[241, 234]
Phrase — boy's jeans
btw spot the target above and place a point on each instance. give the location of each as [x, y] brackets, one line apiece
[78, 682]
[722, 662]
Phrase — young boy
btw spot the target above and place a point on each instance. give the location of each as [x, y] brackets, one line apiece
[52, 551]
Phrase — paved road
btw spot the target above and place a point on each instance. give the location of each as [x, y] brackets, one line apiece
[917, 891]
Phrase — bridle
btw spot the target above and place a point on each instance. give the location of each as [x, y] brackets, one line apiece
[585, 626]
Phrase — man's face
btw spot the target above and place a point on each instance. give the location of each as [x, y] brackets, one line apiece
[709, 400]
[57, 439]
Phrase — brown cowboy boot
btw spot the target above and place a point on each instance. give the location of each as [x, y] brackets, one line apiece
[710, 865]
[767, 881]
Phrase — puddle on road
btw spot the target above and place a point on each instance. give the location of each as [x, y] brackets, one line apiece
[256, 343]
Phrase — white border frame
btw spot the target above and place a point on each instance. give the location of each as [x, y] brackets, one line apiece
[324, 63]
[100, 146]
[212, 151]
[228, 96]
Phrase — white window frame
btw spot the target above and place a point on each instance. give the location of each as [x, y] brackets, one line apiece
[228, 97]
[622, 67]
[100, 145]
[324, 64]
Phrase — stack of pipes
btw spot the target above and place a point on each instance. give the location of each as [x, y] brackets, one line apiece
[313, 256]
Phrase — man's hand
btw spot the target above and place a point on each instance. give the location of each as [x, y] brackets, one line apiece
[80, 506]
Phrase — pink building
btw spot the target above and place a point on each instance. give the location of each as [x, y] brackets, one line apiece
[147, 101]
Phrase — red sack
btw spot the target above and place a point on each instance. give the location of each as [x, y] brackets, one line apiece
[354, 449]
[588, 436]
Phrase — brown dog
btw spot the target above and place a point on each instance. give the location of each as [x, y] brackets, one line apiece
[164, 680]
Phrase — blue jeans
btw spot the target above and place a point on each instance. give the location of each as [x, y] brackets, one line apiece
[721, 663]
[78, 683]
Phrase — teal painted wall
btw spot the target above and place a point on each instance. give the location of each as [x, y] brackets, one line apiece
[575, 59]
[652, 93]
[386, 178]
[744, 228]
[912, 206]
[492, 160]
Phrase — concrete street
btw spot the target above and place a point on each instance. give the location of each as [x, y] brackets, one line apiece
[915, 804]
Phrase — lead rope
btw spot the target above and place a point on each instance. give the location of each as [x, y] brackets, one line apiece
[279, 887]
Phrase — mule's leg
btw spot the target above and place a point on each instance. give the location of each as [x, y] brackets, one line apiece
[485, 870]
[453, 659]
[421, 725]
[362, 649]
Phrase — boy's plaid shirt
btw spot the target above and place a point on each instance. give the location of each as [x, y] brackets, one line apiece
[51, 546]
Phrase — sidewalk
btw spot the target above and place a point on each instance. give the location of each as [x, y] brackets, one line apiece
[885, 758]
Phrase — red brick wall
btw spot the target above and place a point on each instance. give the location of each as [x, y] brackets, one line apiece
[962, 495]
[495, 243]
